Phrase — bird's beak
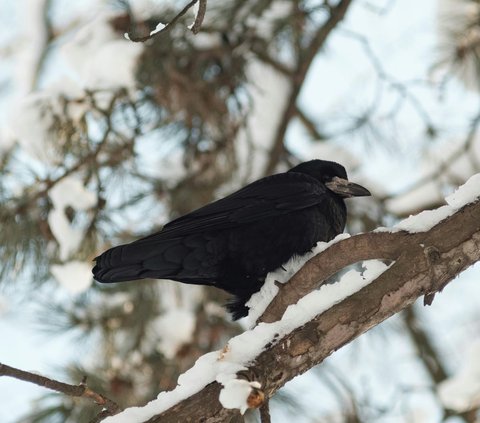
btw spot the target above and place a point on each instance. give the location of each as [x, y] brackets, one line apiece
[345, 188]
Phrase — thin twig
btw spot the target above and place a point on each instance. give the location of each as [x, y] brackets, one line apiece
[401, 88]
[309, 125]
[445, 165]
[169, 25]
[306, 57]
[430, 357]
[46, 43]
[265, 412]
[265, 57]
[202, 8]
[92, 156]
[81, 390]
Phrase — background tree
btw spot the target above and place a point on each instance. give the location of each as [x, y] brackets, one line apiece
[103, 140]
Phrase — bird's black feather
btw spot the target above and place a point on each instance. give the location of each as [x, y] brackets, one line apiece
[234, 242]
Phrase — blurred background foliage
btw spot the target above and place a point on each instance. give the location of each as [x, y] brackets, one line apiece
[103, 140]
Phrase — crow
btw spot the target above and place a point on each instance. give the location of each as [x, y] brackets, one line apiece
[234, 242]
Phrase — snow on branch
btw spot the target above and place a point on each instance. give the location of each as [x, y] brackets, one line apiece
[303, 325]
[160, 28]
[381, 244]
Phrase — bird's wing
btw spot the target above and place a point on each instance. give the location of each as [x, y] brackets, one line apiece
[189, 248]
[266, 198]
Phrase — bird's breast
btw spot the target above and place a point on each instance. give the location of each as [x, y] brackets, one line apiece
[264, 246]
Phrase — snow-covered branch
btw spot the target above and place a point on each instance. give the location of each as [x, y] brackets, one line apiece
[420, 230]
[194, 27]
[427, 251]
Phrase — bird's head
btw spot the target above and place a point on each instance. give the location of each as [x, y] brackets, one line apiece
[334, 176]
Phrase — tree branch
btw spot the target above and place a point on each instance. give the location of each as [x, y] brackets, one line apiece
[372, 245]
[307, 55]
[195, 27]
[423, 264]
[81, 390]
[443, 168]
[430, 359]
[265, 412]
[309, 125]
[202, 9]
[47, 37]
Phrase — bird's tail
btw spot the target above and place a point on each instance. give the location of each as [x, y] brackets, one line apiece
[114, 265]
[129, 262]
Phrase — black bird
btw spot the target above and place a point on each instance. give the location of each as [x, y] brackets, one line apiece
[234, 242]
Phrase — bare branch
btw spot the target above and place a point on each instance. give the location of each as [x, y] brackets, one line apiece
[265, 57]
[309, 125]
[265, 412]
[443, 168]
[307, 55]
[195, 28]
[430, 357]
[202, 8]
[81, 390]
[400, 87]
[48, 38]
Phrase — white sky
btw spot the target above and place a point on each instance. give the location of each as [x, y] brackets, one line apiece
[338, 83]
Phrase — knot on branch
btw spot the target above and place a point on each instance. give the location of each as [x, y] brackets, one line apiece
[432, 254]
[256, 398]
